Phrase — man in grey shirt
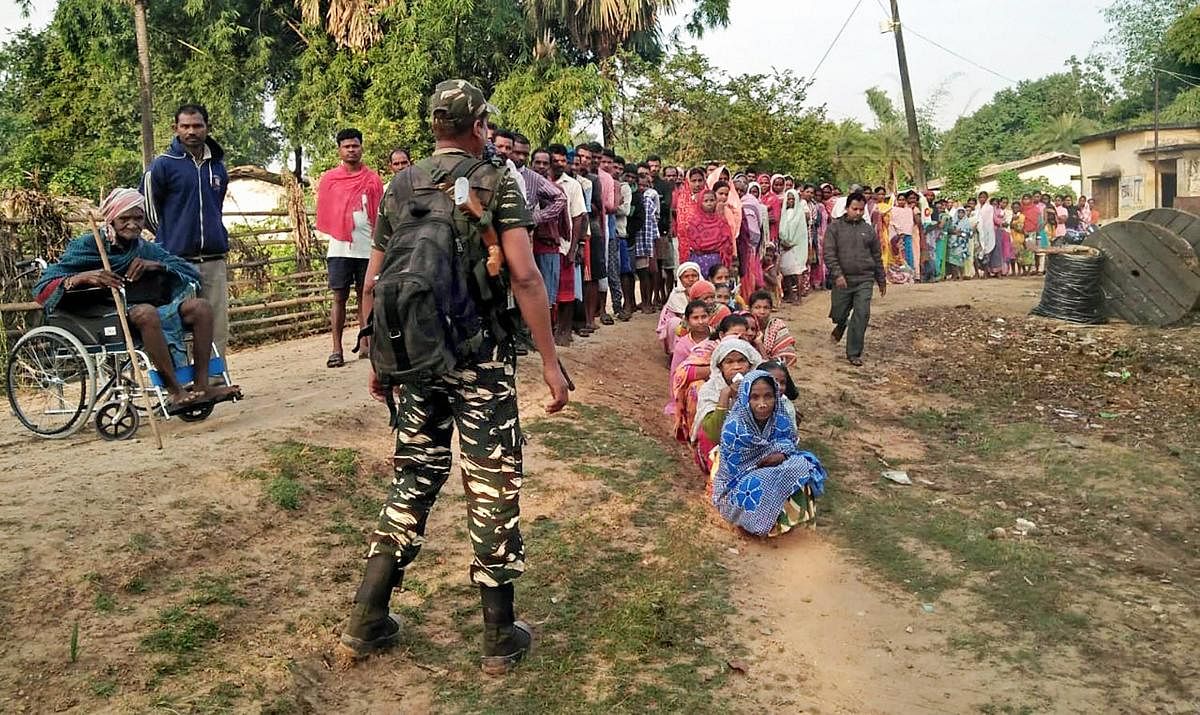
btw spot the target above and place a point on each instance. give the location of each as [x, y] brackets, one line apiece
[852, 255]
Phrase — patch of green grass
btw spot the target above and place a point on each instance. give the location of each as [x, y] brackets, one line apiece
[625, 624]
[972, 431]
[210, 590]
[209, 516]
[284, 492]
[181, 631]
[136, 585]
[348, 534]
[105, 602]
[104, 686]
[1019, 581]
[294, 468]
[74, 648]
[220, 699]
[837, 420]
[140, 541]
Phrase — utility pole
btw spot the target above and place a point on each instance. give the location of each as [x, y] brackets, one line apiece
[143, 52]
[1156, 74]
[910, 110]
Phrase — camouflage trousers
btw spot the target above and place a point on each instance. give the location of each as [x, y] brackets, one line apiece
[481, 400]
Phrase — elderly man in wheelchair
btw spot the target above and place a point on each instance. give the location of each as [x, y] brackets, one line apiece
[160, 292]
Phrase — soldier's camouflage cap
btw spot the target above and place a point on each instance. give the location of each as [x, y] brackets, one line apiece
[459, 99]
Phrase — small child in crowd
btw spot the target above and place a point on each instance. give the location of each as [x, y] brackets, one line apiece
[777, 342]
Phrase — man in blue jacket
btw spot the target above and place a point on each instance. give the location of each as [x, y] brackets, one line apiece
[184, 190]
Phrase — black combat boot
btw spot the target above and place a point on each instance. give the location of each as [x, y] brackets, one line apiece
[505, 639]
[371, 627]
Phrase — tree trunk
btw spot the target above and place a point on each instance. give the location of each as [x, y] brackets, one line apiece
[299, 166]
[608, 129]
[143, 53]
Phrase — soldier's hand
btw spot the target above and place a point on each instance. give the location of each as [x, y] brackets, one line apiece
[557, 382]
[376, 388]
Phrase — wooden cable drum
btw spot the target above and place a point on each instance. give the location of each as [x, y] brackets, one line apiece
[1187, 225]
[1151, 275]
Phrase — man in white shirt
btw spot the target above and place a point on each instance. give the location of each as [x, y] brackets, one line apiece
[347, 204]
[571, 279]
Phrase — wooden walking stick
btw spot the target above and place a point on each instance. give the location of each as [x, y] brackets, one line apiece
[119, 300]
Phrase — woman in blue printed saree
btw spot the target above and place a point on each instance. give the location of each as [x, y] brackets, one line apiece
[764, 483]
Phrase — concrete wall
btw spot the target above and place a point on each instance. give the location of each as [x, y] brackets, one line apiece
[1116, 158]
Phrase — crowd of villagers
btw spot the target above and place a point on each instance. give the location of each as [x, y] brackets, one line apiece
[729, 387]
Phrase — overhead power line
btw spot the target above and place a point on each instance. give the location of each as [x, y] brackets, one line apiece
[911, 30]
[813, 75]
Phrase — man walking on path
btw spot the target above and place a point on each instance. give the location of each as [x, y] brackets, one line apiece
[347, 206]
[852, 257]
[184, 189]
[477, 396]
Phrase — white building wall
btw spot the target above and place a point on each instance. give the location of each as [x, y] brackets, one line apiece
[1058, 174]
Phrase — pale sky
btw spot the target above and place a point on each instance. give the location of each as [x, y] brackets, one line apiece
[793, 34]
[1001, 36]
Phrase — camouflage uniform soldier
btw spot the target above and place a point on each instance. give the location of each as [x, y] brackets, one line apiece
[478, 396]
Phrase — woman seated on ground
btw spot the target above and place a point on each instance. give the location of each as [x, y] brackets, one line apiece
[724, 297]
[777, 342]
[693, 372]
[732, 358]
[719, 275]
[707, 292]
[695, 320]
[161, 291]
[764, 483]
[671, 316]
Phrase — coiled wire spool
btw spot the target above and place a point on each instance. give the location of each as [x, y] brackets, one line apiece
[1072, 289]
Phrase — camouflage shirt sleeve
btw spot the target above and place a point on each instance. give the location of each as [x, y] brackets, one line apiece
[510, 208]
[383, 226]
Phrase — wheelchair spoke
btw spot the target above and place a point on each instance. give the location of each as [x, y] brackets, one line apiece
[48, 383]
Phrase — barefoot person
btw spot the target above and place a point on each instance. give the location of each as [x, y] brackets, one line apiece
[477, 393]
[161, 291]
[852, 256]
[347, 205]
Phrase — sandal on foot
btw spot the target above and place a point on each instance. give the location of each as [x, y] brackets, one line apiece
[224, 393]
[192, 401]
[855, 361]
[335, 360]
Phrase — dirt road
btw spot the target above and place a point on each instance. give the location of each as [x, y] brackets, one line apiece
[820, 632]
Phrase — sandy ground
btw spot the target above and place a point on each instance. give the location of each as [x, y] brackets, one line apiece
[822, 634]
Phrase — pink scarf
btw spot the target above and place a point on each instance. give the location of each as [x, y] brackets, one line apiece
[340, 194]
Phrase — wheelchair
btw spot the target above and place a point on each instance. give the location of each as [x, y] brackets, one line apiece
[76, 367]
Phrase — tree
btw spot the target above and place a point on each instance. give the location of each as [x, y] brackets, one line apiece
[382, 86]
[687, 110]
[600, 29]
[545, 99]
[961, 179]
[68, 96]
[1061, 133]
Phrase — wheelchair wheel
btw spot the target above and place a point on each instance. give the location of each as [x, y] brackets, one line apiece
[51, 382]
[199, 414]
[117, 420]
